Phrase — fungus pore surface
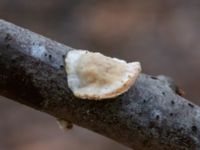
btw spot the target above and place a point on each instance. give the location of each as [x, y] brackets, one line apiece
[95, 76]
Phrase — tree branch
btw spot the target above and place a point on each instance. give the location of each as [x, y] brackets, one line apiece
[149, 116]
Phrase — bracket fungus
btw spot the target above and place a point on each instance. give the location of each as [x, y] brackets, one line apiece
[93, 76]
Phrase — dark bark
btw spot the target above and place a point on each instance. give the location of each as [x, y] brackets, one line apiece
[151, 115]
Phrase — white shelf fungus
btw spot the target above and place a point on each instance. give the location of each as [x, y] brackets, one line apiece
[95, 76]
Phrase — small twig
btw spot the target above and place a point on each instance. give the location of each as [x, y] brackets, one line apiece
[149, 116]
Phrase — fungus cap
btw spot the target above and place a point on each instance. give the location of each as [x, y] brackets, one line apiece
[95, 76]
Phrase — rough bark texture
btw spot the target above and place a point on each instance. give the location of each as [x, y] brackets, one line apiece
[151, 115]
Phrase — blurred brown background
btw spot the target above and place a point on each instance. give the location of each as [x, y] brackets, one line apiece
[163, 35]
